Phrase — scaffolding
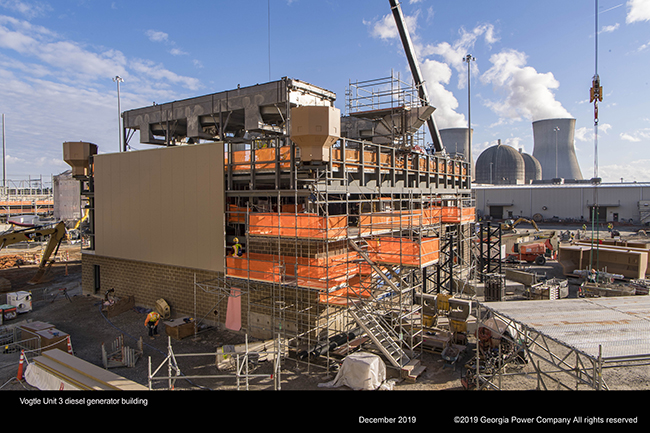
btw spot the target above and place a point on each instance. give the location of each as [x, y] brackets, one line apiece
[337, 248]
[336, 254]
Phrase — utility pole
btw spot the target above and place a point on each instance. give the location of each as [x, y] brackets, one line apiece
[468, 59]
[119, 80]
[4, 157]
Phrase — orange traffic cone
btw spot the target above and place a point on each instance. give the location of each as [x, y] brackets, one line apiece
[70, 346]
[20, 366]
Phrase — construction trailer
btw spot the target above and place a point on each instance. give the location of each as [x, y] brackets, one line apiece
[343, 220]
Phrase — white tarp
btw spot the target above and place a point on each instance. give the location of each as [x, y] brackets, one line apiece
[360, 371]
[45, 381]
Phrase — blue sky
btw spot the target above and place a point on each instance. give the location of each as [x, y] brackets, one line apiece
[534, 60]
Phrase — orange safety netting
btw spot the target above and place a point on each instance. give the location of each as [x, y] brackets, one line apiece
[378, 221]
[401, 251]
[414, 162]
[451, 214]
[301, 225]
[344, 296]
[236, 214]
[259, 267]
[264, 159]
[320, 273]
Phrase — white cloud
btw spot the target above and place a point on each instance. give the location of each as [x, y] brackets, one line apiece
[636, 136]
[528, 93]
[609, 29]
[158, 72]
[627, 137]
[455, 53]
[643, 47]
[156, 36]
[386, 28]
[638, 10]
[587, 134]
[436, 75]
[29, 10]
[177, 52]
[636, 170]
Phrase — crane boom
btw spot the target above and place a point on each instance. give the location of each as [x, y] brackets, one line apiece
[415, 71]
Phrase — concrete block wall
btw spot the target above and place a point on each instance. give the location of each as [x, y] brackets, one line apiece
[149, 282]
[266, 309]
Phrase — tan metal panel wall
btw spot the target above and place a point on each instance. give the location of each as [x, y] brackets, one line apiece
[162, 206]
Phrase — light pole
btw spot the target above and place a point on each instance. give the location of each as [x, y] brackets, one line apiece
[556, 129]
[119, 80]
[468, 59]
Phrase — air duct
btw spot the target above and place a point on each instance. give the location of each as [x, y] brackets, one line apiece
[314, 129]
[554, 148]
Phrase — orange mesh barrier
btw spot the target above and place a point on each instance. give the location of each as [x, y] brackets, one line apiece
[260, 267]
[344, 295]
[302, 225]
[321, 274]
[451, 214]
[400, 251]
[236, 214]
[377, 222]
[264, 159]
[402, 161]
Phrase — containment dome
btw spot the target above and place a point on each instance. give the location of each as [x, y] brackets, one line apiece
[500, 165]
[532, 168]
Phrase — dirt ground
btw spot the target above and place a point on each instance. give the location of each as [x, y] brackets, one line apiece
[81, 317]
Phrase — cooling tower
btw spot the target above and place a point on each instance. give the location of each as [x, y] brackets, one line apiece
[554, 148]
[455, 141]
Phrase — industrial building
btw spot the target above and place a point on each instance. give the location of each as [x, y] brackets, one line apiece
[614, 202]
[337, 233]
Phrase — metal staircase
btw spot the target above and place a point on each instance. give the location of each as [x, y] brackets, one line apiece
[380, 334]
[369, 318]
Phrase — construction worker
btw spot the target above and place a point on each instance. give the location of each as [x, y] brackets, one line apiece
[152, 320]
[236, 249]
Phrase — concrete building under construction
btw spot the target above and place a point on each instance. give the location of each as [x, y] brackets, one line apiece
[339, 235]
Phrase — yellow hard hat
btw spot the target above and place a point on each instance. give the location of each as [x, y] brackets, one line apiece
[236, 240]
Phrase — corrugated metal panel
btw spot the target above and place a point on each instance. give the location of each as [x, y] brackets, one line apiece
[621, 324]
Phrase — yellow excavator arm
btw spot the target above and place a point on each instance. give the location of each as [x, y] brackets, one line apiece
[510, 225]
[56, 234]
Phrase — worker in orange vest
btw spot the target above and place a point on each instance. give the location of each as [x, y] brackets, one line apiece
[152, 320]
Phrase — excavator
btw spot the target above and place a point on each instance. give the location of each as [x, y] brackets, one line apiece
[509, 225]
[56, 234]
